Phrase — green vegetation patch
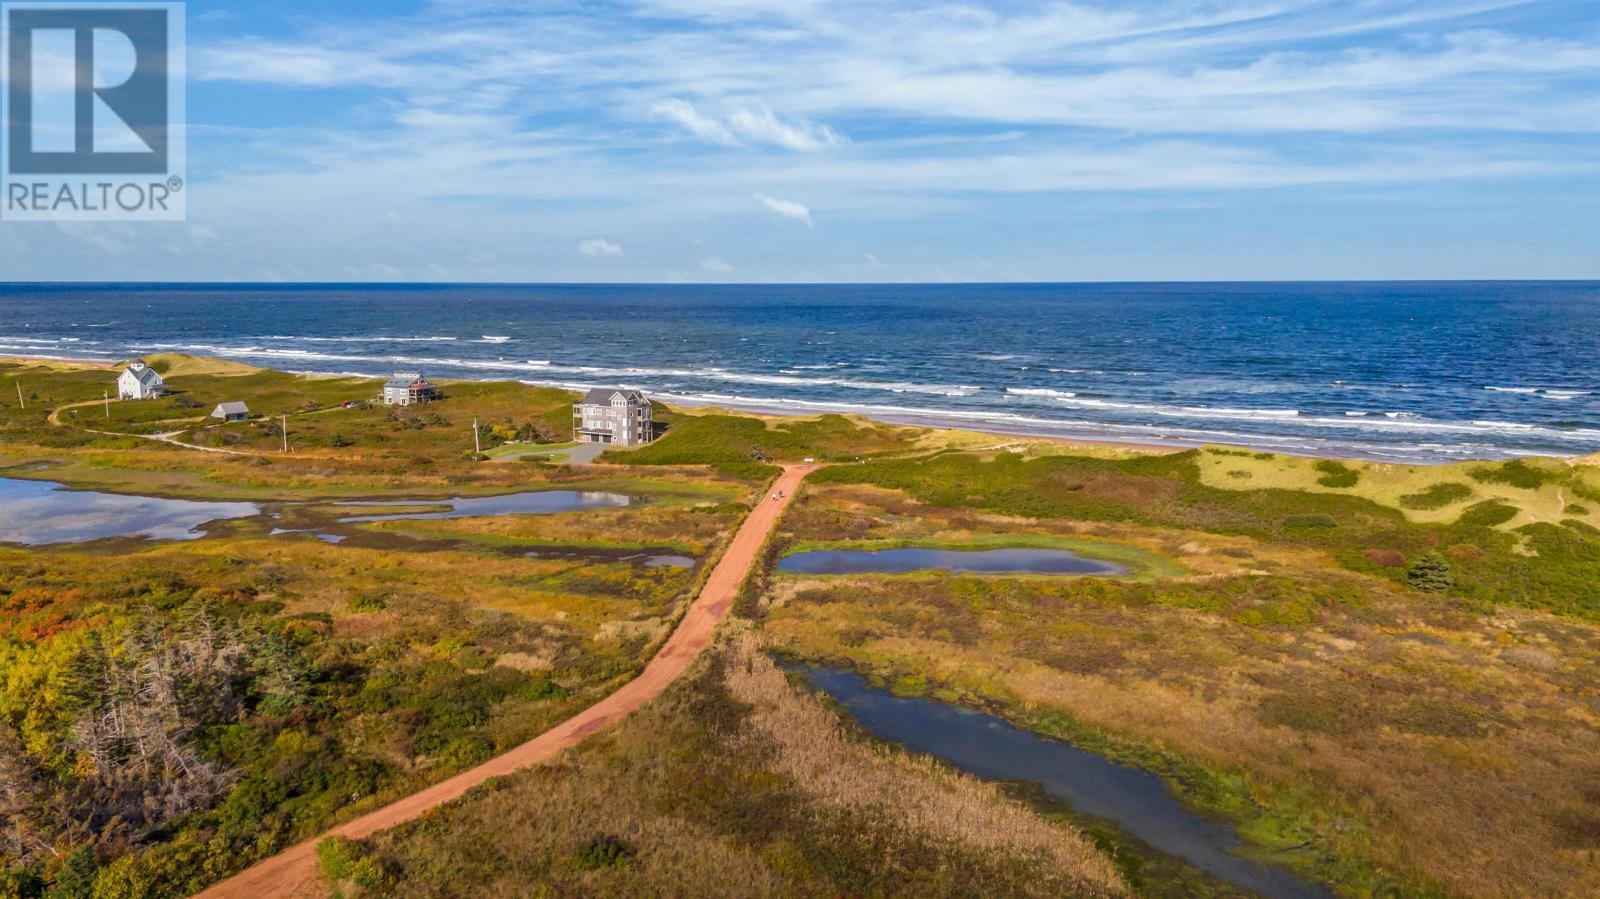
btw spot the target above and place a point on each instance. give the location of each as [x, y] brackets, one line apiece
[1166, 491]
[1436, 496]
[1337, 474]
[1517, 473]
[740, 440]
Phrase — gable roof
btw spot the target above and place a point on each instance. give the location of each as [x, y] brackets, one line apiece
[602, 396]
[144, 374]
[405, 379]
[230, 408]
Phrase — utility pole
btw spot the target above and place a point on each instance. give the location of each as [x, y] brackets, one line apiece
[107, 395]
[284, 426]
[477, 445]
[20, 401]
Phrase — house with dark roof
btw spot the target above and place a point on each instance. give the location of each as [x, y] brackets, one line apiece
[408, 388]
[617, 417]
[232, 411]
[140, 382]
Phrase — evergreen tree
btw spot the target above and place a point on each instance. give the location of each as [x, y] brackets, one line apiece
[1430, 574]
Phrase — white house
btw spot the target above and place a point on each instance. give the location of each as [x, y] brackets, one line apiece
[408, 387]
[620, 417]
[232, 411]
[140, 382]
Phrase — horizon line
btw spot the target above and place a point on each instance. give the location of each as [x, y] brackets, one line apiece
[736, 284]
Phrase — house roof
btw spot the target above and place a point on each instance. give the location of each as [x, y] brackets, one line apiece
[405, 379]
[602, 396]
[144, 374]
[230, 408]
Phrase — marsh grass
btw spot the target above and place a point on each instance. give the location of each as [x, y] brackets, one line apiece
[736, 783]
[1349, 725]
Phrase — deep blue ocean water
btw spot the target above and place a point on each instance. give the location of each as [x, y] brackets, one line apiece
[1405, 371]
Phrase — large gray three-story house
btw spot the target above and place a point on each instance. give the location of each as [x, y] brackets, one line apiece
[618, 417]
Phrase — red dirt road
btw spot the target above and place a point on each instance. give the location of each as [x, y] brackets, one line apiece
[293, 872]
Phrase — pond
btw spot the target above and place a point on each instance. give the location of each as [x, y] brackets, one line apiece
[533, 502]
[990, 747]
[35, 513]
[1015, 560]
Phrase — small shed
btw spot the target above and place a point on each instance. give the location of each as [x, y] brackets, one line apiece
[234, 411]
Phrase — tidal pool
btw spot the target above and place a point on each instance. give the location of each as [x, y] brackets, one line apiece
[990, 747]
[670, 561]
[533, 502]
[37, 513]
[1016, 560]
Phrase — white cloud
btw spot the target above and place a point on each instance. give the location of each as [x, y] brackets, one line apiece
[599, 247]
[748, 126]
[704, 127]
[762, 126]
[713, 264]
[786, 208]
[470, 130]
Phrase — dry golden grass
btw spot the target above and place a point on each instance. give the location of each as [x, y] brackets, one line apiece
[814, 752]
[736, 784]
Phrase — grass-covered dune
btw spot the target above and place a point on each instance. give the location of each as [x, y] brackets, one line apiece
[1491, 557]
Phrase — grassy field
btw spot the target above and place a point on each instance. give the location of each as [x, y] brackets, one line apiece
[1383, 675]
[171, 711]
[733, 784]
[1353, 725]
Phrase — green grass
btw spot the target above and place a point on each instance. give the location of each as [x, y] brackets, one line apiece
[1166, 491]
[1337, 475]
[1436, 496]
[740, 440]
[1517, 473]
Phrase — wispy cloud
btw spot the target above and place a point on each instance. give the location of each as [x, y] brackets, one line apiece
[748, 126]
[786, 208]
[599, 247]
[493, 133]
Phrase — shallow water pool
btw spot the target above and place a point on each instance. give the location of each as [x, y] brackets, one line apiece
[38, 513]
[1011, 560]
[990, 747]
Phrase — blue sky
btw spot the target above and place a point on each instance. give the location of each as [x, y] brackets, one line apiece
[813, 140]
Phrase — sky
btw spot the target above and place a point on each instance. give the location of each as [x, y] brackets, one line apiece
[861, 140]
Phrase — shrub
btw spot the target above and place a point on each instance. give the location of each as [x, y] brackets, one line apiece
[1487, 515]
[338, 440]
[1436, 497]
[1310, 521]
[1575, 509]
[1516, 473]
[602, 851]
[341, 859]
[1337, 474]
[1430, 574]
[1387, 558]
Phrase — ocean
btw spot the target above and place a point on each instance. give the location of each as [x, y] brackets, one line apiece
[1396, 371]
